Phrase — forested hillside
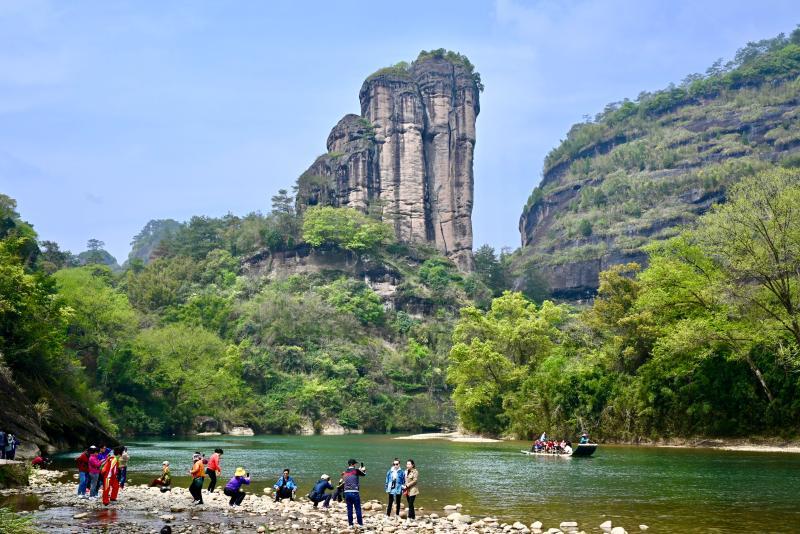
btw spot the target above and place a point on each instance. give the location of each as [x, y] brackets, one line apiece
[642, 169]
[270, 321]
[703, 342]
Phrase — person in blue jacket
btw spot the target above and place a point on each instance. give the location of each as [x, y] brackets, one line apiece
[319, 493]
[285, 487]
[395, 480]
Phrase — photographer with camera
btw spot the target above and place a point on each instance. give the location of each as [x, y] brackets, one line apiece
[233, 488]
[352, 496]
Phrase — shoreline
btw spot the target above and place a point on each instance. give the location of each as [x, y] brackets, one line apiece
[723, 444]
[143, 510]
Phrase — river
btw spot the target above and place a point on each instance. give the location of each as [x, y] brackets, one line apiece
[668, 489]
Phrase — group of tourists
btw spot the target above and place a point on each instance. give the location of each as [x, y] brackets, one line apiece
[399, 482]
[102, 468]
[545, 445]
[8, 445]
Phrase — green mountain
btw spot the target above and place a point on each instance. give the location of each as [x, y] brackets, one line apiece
[642, 169]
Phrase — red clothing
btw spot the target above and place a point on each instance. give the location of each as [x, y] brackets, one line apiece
[213, 463]
[82, 462]
[111, 480]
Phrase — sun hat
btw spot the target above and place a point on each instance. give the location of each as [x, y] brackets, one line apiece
[165, 462]
[240, 472]
[325, 477]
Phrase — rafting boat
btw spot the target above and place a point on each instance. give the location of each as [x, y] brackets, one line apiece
[581, 450]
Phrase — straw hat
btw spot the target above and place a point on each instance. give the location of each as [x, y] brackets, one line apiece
[240, 472]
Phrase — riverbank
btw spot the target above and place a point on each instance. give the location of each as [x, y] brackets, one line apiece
[724, 444]
[457, 437]
[143, 510]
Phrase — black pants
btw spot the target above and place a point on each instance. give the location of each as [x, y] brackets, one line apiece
[212, 476]
[196, 489]
[393, 498]
[236, 496]
[283, 493]
[410, 499]
[326, 499]
[338, 495]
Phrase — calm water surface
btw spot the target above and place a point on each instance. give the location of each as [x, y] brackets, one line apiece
[671, 490]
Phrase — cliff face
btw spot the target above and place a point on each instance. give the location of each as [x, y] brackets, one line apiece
[627, 184]
[408, 156]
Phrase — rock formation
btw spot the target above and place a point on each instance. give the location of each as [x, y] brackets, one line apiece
[637, 183]
[408, 156]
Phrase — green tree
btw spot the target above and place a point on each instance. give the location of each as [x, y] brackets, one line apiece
[344, 227]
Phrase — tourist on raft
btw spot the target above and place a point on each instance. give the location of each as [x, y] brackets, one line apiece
[214, 469]
[111, 476]
[584, 438]
[395, 480]
[319, 494]
[410, 489]
[285, 487]
[198, 478]
[352, 495]
[233, 488]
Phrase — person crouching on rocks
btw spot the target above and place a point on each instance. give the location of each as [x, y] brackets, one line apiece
[395, 479]
[319, 493]
[198, 478]
[165, 480]
[233, 488]
[111, 476]
[285, 487]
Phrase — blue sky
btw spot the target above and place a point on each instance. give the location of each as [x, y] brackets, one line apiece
[115, 113]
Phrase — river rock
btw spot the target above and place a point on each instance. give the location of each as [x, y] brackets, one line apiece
[177, 508]
[167, 517]
[451, 508]
[536, 525]
[241, 431]
[82, 515]
[261, 529]
[455, 516]
[568, 524]
[618, 530]
[643, 527]
[606, 525]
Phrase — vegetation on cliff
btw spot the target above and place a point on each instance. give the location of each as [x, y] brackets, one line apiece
[643, 168]
[197, 332]
[703, 342]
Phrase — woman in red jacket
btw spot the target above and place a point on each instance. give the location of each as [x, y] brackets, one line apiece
[214, 469]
